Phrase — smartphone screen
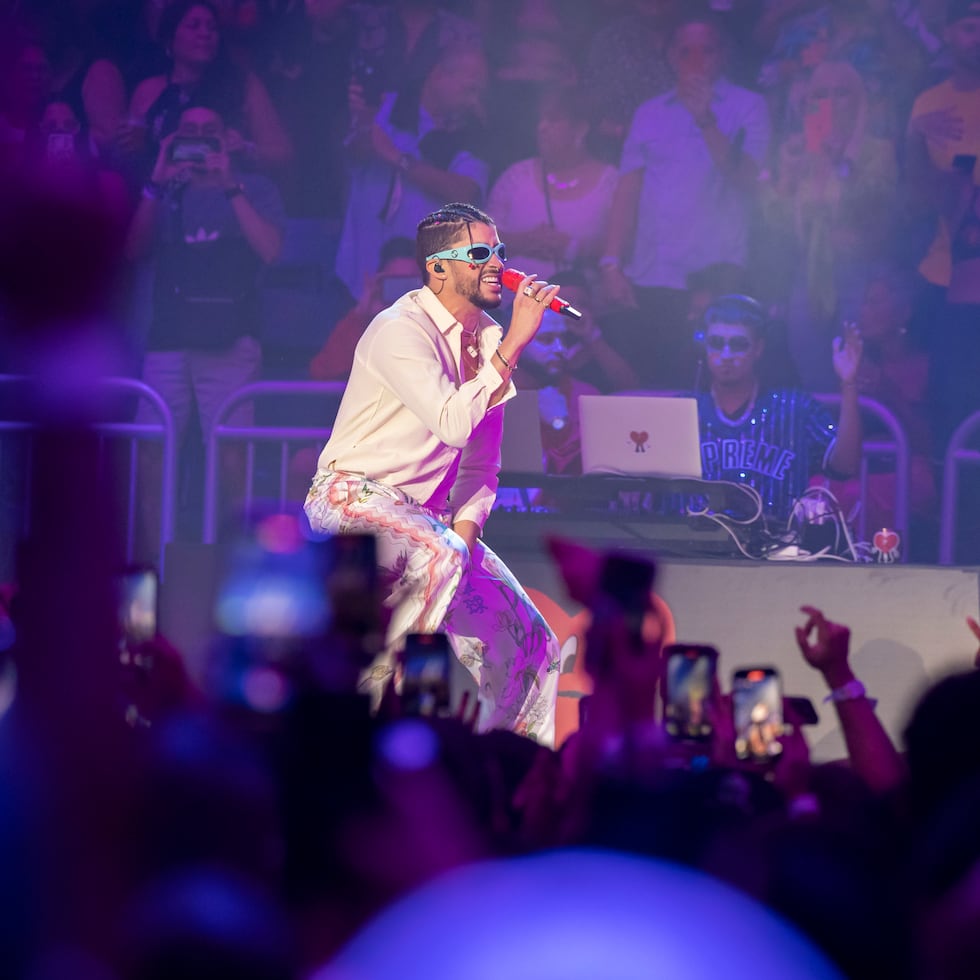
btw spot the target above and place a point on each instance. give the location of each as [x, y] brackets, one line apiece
[295, 612]
[690, 678]
[425, 684]
[138, 594]
[757, 703]
[273, 588]
[354, 590]
[188, 149]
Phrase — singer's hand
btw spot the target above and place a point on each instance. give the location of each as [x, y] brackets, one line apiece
[529, 309]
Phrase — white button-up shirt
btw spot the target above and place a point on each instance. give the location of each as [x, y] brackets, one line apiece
[690, 214]
[408, 420]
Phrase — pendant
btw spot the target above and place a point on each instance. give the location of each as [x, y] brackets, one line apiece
[472, 351]
[562, 185]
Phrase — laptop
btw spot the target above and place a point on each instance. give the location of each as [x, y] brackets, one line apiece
[520, 448]
[640, 435]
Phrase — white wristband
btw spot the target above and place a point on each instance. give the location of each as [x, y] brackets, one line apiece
[853, 690]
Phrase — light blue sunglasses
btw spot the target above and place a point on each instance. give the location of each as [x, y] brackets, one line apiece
[478, 254]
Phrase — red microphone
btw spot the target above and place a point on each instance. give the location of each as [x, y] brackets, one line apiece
[512, 279]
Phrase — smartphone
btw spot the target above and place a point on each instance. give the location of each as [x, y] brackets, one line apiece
[354, 591]
[803, 711]
[757, 704]
[273, 589]
[689, 680]
[624, 594]
[425, 683]
[394, 287]
[817, 124]
[965, 162]
[368, 73]
[61, 146]
[295, 613]
[138, 590]
[193, 149]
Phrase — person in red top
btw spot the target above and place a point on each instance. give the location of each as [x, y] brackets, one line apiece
[895, 372]
[397, 274]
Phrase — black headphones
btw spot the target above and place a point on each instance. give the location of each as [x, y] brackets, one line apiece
[734, 308]
[438, 267]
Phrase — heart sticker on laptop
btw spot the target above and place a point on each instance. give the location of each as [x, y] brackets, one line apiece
[640, 441]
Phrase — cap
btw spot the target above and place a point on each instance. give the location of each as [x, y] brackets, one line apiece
[960, 9]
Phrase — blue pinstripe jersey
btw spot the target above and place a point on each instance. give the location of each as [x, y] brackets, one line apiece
[775, 448]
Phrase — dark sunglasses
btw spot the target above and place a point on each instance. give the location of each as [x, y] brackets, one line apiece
[737, 345]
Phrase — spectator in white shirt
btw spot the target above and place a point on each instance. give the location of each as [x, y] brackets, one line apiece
[413, 459]
[687, 180]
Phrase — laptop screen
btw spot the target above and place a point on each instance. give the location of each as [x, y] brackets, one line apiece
[640, 435]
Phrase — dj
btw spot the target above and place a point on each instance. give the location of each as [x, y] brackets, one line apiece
[413, 460]
[772, 439]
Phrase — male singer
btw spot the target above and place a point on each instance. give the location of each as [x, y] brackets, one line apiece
[413, 459]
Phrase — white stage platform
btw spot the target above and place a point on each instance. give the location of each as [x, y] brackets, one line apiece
[907, 621]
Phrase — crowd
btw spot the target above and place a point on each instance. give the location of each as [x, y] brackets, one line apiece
[256, 820]
[780, 192]
[818, 155]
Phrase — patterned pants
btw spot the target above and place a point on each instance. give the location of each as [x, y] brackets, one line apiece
[433, 584]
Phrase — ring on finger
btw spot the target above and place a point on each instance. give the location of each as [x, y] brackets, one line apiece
[528, 291]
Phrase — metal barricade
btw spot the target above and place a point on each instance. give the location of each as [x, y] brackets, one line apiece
[896, 447]
[251, 435]
[130, 433]
[957, 453]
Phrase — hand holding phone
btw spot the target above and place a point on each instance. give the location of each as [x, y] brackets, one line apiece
[193, 149]
[965, 163]
[757, 703]
[425, 684]
[138, 596]
[689, 681]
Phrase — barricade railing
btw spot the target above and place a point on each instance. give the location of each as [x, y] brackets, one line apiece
[130, 433]
[896, 446]
[893, 444]
[287, 436]
[957, 454]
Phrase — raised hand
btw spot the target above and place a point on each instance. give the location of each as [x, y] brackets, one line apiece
[695, 94]
[825, 646]
[975, 630]
[616, 289]
[847, 351]
[941, 126]
[165, 170]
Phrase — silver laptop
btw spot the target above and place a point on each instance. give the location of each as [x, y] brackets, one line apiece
[640, 435]
[521, 450]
